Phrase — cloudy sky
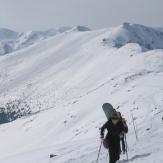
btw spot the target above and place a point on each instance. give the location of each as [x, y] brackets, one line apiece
[22, 15]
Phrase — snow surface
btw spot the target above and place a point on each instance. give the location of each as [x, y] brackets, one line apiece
[66, 78]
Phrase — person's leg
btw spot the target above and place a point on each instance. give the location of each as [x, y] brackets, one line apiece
[112, 161]
[117, 151]
[112, 155]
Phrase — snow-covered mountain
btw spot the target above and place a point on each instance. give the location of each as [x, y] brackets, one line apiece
[11, 41]
[7, 34]
[6, 40]
[26, 39]
[146, 37]
[56, 87]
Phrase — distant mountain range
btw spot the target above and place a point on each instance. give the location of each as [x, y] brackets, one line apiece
[11, 41]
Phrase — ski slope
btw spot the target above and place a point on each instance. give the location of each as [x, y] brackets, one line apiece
[66, 78]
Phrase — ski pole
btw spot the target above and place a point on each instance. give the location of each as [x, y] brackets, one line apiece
[134, 127]
[99, 152]
[108, 155]
[126, 147]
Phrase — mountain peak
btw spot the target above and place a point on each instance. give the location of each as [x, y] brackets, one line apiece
[80, 28]
[147, 37]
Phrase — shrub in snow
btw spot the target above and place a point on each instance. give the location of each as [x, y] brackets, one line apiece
[14, 110]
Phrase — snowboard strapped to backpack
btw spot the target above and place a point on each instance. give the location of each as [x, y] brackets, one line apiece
[108, 110]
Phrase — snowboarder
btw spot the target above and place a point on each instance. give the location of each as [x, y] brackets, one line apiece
[114, 127]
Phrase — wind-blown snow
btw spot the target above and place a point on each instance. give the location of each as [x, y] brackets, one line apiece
[65, 79]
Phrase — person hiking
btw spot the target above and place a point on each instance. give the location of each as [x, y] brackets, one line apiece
[114, 127]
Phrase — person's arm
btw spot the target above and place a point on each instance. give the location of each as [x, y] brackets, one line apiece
[103, 129]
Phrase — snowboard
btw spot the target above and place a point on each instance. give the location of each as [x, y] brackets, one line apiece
[108, 110]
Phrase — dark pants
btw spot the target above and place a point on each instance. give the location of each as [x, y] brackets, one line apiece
[114, 151]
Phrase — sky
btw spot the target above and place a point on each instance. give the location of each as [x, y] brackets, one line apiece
[23, 15]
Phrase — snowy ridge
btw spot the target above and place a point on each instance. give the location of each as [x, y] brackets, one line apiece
[28, 38]
[11, 41]
[148, 38]
[65, 80]
[6, 40]
[80, 29]
[7, 34]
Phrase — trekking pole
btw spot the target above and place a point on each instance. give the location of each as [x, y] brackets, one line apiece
[99, 152]
[134, 127]
[126, 147]
[108, 155]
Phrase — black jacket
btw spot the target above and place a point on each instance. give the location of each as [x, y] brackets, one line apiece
[114, 131]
